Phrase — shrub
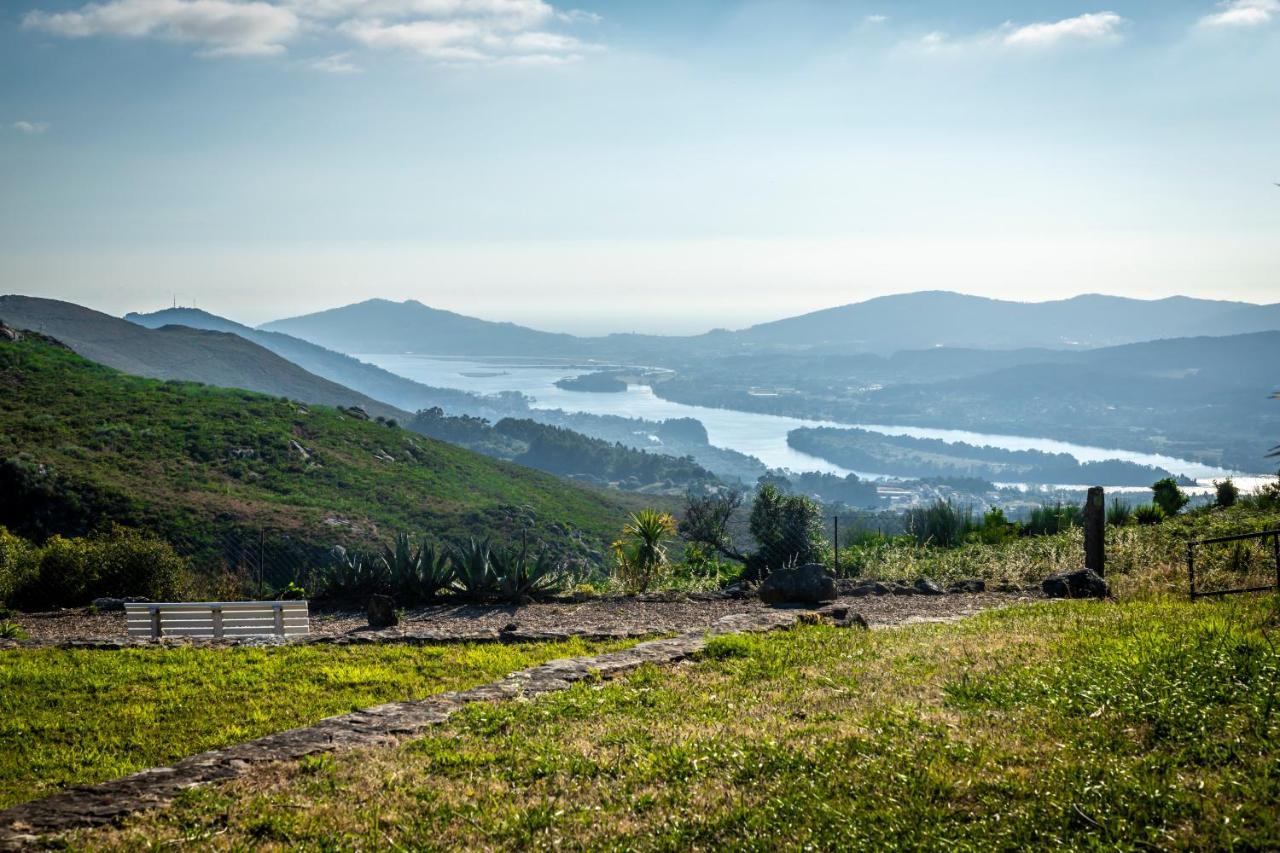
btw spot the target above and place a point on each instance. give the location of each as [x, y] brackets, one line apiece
[12, 631]
[17, 564]
[1167, 496]
[790, 529]
[129, 563]
[1046, 520]
[1226, 492]
[940, 524]
[640, 556]
[416, 575]
[1119, 513]
[1149, 514]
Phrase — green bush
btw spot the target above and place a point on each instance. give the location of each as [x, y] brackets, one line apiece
[1119, 513]
[1149, 514]
[1167, 496]
[941, 523]
[1226, 492]
[1046, 520]
[129, 563]
[17, 564]
[70, 572]
[12, 631]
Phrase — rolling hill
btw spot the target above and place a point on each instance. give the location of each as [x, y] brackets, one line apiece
[335, 366]
[884, 325]
[379, 325]
[178, 352]
[82, 444]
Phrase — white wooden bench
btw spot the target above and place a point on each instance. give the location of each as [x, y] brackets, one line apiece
[217, 619]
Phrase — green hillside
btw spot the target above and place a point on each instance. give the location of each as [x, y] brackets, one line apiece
[81, 444]
[176, 352]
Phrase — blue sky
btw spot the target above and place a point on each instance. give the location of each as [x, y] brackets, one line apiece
[664, 166]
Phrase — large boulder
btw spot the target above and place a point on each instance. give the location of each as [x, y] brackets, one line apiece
[971, 585]
[1085, 583]
[381, 611]
[807, 584]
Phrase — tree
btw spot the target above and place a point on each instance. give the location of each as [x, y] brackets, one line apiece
[1168, 496]
[1227, 492]
[706, 521]
[788, 528]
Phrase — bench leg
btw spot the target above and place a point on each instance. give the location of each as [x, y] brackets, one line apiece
[279, 620]
[155, 623]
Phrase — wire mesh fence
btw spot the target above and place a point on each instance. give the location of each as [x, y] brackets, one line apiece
[1224, 565]
[261, 561]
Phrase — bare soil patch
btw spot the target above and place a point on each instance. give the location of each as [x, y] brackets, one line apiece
[634, 616]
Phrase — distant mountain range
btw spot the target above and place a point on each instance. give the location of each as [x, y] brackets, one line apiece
[382, 326]
[335, 366]
[177, 352]
[884, 325]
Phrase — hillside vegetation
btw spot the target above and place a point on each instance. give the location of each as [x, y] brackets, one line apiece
[177, 352]
[81, 444]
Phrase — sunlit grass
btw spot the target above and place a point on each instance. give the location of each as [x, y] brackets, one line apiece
[69, 717]
[1072, 724]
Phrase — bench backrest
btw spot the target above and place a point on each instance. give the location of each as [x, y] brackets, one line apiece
[217, 619]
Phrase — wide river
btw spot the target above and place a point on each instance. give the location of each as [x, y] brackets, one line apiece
[759, 435]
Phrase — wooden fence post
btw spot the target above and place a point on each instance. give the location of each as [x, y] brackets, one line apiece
[1095, 529]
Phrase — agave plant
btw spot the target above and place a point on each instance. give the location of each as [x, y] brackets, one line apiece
[402, 562]
[522, 577]
[473, 569]
[435, 571]
[352, 575]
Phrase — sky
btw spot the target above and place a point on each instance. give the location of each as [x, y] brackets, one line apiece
[635, 166]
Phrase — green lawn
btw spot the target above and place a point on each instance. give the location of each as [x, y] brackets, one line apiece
[1148, 724]
[75, 716]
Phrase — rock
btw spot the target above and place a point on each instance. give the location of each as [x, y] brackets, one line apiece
[381, 611]
[903, 589]
[807, 584]
[925, 586]
[299, 449]
[1081, 584]
[107, 605]
[968, 585]
[862, 588]
[357, 412]
[842, 617]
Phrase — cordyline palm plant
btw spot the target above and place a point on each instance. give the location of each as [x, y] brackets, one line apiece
[641, 555]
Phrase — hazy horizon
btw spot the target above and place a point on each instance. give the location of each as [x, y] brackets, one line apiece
[665, 167]
[658, 324]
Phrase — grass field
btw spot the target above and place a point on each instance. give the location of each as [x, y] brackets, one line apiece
[1068, 724]
[71, 717]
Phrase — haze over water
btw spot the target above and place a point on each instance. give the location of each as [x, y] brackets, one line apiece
[760, 435]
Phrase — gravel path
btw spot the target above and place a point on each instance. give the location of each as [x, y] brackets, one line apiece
[602, 616]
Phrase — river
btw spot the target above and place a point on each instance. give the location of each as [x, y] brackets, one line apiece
[759, 435]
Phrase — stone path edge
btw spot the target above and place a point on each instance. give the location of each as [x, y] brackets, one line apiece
[25, 824]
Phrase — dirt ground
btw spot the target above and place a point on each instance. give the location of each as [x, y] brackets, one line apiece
[653, 615]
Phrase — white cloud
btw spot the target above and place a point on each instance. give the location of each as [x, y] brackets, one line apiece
[875, 19]
[31, 128]
[1092, 27]
[478, 38]
[1096, 26]
[474, 31]
[1242, 13]
[223, 27]
[336, 63]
